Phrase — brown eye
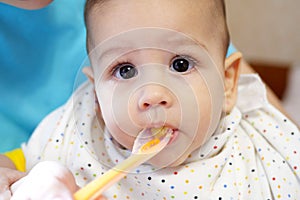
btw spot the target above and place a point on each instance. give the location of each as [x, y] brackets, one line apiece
[125, 71]
[181, 64]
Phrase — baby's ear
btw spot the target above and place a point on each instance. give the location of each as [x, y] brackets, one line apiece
[232, 65]
[88, 71]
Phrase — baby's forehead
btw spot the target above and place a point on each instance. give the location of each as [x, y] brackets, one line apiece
[187, 13]
[159, 39]
[199, 24]
[149, 37]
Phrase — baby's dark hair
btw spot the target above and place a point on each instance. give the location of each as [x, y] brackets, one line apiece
[219, 13]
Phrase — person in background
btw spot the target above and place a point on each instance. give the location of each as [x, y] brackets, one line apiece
[42, 48]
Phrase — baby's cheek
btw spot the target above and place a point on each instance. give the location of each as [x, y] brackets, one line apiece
[205, 122]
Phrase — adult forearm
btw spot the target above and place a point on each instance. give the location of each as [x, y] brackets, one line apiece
[6, 162]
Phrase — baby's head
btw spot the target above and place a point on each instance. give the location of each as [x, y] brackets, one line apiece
[161, 63]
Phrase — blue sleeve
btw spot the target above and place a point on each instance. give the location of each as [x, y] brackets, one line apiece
[41, 53]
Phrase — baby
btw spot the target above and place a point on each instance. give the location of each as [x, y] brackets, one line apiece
[163, 64]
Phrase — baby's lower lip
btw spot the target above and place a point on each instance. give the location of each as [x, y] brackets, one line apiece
[173, 137]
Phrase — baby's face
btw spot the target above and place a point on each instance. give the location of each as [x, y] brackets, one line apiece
[157, 67]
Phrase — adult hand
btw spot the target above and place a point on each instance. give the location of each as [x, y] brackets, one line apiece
[7, 177]
[47, 180]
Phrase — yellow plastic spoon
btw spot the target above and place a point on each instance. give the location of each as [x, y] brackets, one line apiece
[147, 144]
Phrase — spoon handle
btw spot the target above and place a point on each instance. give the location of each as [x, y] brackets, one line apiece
[96, 187]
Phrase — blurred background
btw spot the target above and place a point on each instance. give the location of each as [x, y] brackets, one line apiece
[268, 34]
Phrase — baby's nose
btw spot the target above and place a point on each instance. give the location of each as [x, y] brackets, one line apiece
[153, 96]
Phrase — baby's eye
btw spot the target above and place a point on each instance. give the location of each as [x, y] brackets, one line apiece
[181, 64]
[125, 71]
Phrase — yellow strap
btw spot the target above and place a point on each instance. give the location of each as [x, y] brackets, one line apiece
[17, 157]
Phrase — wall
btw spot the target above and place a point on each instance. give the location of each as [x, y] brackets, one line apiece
[268, 34]
[266, 30]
